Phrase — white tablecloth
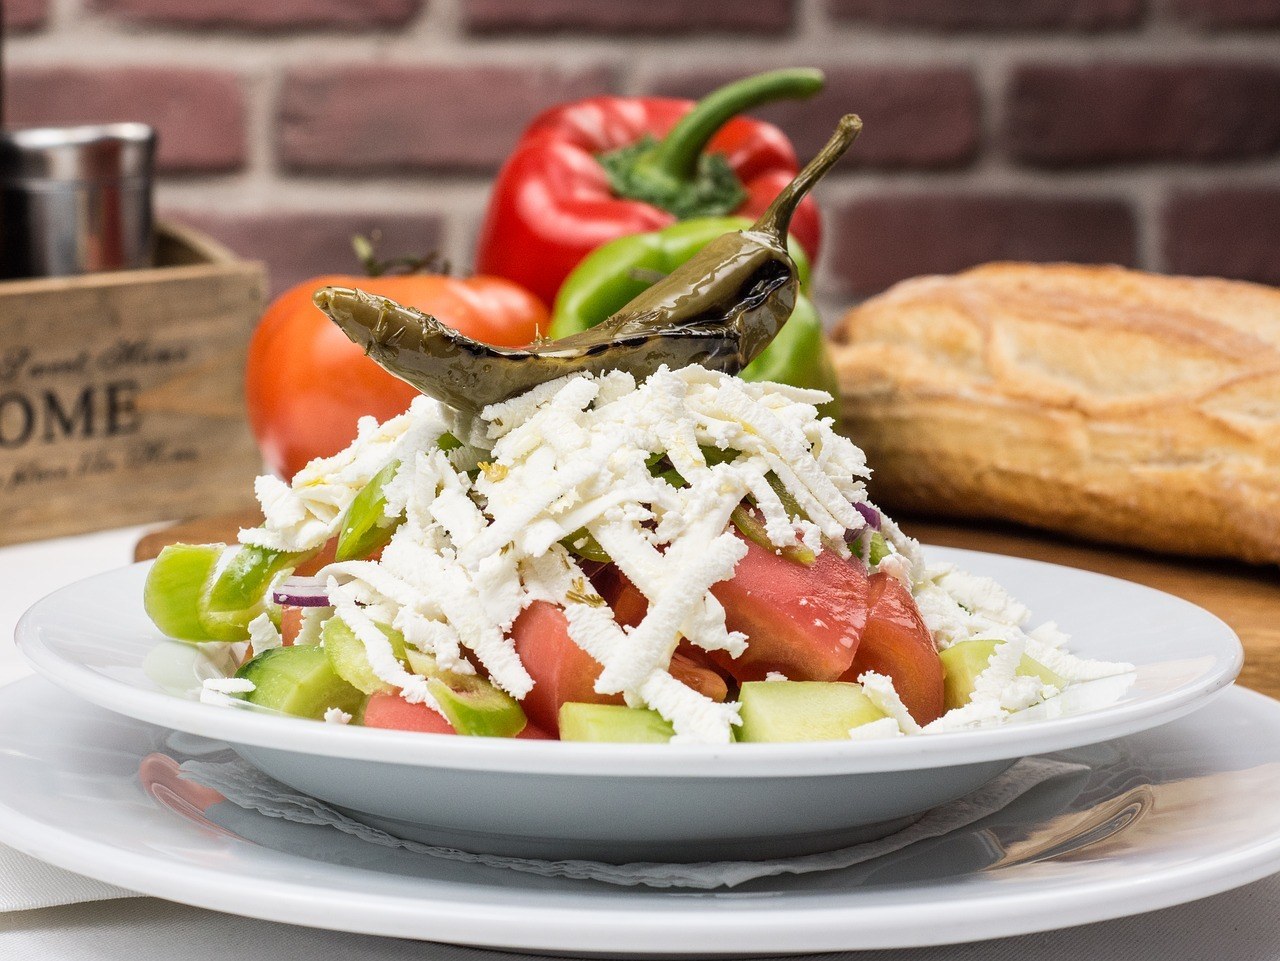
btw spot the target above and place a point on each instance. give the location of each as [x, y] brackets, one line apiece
[1241, 925]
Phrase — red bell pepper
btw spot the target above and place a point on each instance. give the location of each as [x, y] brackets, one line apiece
[588, 172]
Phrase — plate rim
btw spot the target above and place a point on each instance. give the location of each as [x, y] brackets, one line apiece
[637, 760]
[809, 929]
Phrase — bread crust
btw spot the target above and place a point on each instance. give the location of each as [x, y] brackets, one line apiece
[1100, 402]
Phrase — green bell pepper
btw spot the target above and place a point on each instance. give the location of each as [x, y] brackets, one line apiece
[612, 275]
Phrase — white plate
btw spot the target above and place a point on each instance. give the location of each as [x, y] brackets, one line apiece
[1160, 818]
[552, 799]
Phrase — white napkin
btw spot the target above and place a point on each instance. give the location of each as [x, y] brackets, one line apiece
[27, 884]
[28, 572]
[247, 787]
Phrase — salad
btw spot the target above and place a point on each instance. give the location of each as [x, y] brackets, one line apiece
[608, 538]
[690, 557]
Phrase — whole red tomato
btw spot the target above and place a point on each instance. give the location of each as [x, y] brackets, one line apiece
[307, 384]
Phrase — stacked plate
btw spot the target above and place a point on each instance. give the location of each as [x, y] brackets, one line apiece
[1157, 809]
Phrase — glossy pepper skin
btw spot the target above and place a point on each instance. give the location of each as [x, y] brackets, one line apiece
[611, 276]
[307, 384]
[554, 201]
[720, 309]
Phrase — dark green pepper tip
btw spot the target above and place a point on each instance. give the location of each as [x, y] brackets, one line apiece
[777, 218]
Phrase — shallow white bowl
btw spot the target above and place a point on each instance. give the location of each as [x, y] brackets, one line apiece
[660, 802]
[1154, 819]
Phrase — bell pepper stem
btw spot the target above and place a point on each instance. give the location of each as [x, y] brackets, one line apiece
[777, 218]
[675, 173]
[676, 155]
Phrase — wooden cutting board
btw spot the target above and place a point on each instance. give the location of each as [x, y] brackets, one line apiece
[1247, 598]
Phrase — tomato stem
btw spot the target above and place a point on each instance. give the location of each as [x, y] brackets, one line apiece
[366, 253]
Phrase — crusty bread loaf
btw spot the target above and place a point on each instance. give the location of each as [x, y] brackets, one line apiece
[1105, 403]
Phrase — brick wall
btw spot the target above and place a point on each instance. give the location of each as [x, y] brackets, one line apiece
[1144, 132]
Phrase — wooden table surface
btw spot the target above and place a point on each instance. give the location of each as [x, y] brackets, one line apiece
[1247, 598]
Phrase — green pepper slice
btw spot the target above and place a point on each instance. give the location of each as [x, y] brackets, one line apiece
[365, 527]
[239, 593]
[177, 581]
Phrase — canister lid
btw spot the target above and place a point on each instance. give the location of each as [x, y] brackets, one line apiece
[115, 151]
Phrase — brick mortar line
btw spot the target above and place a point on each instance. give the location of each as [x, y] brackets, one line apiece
[435, 38]
[240, 193]
[1148, 201]
[112, 44]
[62, 13]
[1099, 176]
[261, 113]
[811, 22]
[442, 18]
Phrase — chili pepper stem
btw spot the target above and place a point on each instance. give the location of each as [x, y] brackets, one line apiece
[777, 218]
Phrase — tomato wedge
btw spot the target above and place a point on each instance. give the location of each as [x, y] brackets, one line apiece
[389, 710]
[561, 671]
[897, 643]
[801, 620]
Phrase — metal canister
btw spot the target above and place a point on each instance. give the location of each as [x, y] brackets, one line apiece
[75, 200]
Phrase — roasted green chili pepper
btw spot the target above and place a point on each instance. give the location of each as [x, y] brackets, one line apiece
[609, 277]
[720, 309]
[622, 269]
[799, 356]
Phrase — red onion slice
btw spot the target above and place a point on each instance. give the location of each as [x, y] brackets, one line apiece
[301, 592]
[869, 514]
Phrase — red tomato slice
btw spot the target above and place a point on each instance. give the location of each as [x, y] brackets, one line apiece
[323, 558]
[391, 711]
[803, 621]
[689, 665]
[561, 670]
[702, 677]
[897, 643]
[290, 624]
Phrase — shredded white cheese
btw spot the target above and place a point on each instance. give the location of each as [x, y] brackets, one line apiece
[566, 459]
[881, 692]
[219, 690]
[312, 623]
[876, 730]
[482, 528]
[263, 634]
[229, 685]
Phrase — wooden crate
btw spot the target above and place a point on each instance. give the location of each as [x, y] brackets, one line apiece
[122, 394]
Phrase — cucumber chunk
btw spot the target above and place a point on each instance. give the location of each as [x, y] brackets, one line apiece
[349, 659]
[963, 662]
[175, 585]
[614, 723]
[803, 710]
[239, 593]
[365, 527]
[298, 681]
